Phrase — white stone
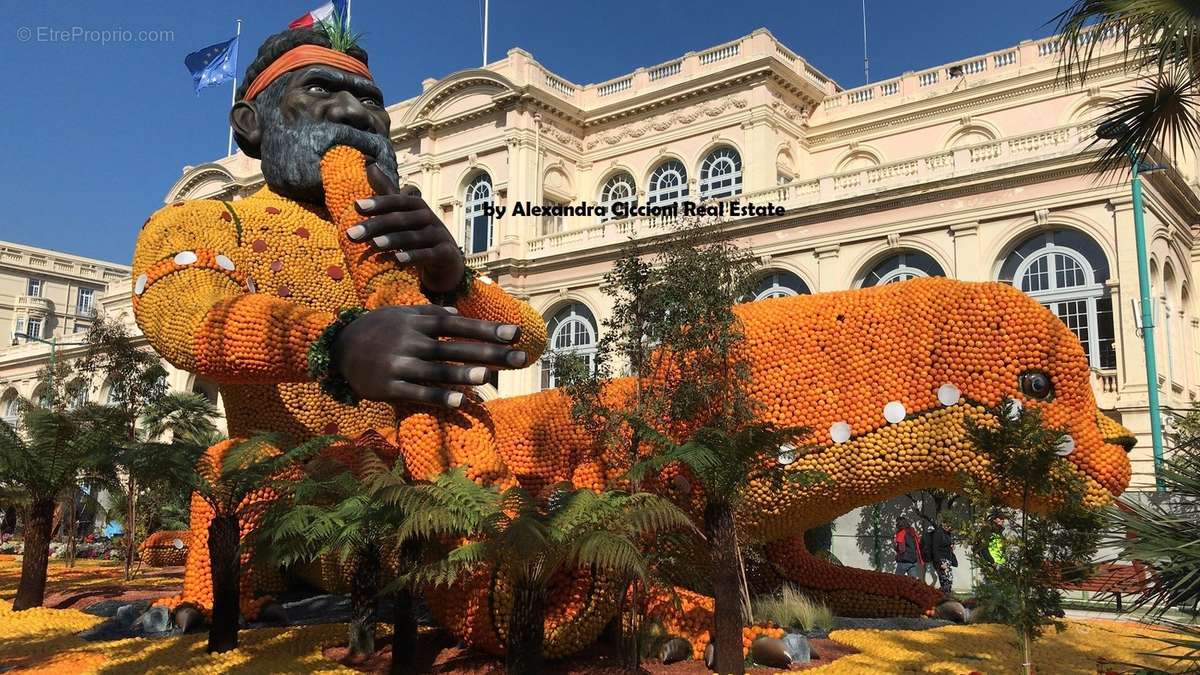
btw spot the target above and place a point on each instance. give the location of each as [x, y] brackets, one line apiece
[224, 262]
[1066, 446]
[139, 286]
[948, 394]
[1014, 412]
[250, 286]
[486, 279]
[185, 257]
[839, 432]
[787, 454]
[894, 412]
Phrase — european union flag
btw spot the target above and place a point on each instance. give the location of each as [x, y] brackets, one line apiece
[214, 64]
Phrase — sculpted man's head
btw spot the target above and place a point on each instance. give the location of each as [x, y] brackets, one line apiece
[291, 121]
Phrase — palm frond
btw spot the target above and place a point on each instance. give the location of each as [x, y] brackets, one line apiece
[1160, 34]
[1162, 113]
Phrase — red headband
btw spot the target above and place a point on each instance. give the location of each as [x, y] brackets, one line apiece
[305, 55]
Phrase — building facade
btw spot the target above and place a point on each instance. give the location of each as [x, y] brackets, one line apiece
[979, 169]
[48, 299]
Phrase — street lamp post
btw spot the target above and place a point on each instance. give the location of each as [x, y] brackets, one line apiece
[1111, 131]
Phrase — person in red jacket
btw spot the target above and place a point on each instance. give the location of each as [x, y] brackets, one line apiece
[907, 544]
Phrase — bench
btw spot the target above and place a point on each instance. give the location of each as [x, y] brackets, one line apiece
[1114, 578]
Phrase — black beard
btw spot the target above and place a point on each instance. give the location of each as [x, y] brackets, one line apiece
[291, 153]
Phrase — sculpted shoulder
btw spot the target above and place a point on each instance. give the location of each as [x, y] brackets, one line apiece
[186, 226]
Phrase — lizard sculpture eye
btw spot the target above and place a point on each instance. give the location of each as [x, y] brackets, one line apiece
[1036, 384]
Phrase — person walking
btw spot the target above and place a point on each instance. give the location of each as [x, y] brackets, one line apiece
[994, 553]
[907, 545]
[937, 546]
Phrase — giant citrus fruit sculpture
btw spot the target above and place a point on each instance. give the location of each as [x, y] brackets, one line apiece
[884, 377]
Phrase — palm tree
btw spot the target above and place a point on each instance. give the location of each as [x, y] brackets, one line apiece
[530, 542]
[235, 478]
[331, 511]
[1163, 534]
[56, 449]
[726, 463]
[1160, 38]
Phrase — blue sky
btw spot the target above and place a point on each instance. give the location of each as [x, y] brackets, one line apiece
[96, 133]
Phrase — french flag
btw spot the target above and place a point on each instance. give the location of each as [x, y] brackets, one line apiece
[325, 12]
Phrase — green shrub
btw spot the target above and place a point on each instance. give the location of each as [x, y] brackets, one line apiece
[790, 608]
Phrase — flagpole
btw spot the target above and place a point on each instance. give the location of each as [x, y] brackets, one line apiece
[233, 94]
[485, 28]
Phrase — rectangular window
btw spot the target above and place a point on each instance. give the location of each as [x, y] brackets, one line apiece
[80, 327]
[34, 288]
[480, 226]
[34, 328]
[551, 224]
[19, 327]
[83, 304]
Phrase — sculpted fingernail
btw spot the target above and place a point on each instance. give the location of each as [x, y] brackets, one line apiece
[403, 257]
[477, 375]
[506, 332]
[517, 358]
[454, 399]
[365, 203]
[356, 232]
[380, 241]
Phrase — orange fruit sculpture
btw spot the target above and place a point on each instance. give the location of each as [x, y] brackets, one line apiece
[884, 377]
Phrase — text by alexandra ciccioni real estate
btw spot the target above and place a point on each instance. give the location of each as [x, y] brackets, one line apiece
[732, 209]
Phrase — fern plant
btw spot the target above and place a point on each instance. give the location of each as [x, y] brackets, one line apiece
[528, 541]
[331, 511]
[225, 483]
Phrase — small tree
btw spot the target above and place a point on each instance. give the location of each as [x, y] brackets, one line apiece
[57, 448]
[136, 379]
[687, 402]
[530, 542]
[1053, 536]
[234, 479]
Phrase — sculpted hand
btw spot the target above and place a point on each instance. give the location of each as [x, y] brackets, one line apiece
[405, 224]
[394, 354]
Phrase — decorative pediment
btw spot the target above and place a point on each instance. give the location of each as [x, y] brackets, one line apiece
[463, 94]
[204, 181]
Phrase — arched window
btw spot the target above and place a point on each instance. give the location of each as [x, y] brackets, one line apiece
[477, 201]
[721, 174]
[78, 391]
[12, 409]
[777, 285]
[572, 330]
[902, 267]
[1065, 271]
[620, 189]
[668, 184]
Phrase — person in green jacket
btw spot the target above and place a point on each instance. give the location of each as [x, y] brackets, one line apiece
[996, 544]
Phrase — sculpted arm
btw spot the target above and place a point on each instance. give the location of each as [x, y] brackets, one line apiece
[200, 311]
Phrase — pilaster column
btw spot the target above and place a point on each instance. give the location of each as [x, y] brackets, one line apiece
[1130, 357]
[758, 157]
[827, 269]
[967, 265]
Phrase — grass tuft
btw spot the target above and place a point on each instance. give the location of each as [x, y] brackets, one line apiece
[790, 608]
